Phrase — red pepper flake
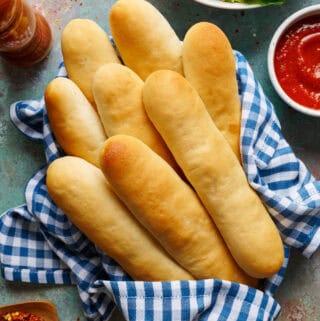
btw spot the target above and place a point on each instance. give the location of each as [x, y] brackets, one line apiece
[20, 316]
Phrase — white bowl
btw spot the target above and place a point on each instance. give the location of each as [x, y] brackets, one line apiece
[303, 13]
[228, 5]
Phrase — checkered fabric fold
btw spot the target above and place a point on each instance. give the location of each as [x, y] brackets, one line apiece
[39, 244]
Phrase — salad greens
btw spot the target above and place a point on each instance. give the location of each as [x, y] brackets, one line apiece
[256, 1]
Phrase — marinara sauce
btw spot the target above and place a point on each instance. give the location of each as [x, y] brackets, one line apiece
[297, 62]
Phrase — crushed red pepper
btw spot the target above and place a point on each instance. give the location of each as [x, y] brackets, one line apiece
[20, 316]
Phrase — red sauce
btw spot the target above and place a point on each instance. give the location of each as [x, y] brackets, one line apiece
[297, 62]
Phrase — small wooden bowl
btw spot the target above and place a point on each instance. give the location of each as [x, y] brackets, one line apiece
[44, 309]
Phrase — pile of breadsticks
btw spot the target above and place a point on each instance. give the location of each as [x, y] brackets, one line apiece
[154, 175]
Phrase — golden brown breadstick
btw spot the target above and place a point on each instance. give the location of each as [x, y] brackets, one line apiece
[84, 195]
[118, 94]
[209, 65]
[85, 47]
[75, 124]
[215, 173]
[168, 208]
[144, 38]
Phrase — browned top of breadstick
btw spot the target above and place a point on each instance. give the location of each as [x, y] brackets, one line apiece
[75, 124]
[210, 67]
[85, 47]
[214, 171]
[168, 208]
[118, 94]
[144, 37]
[82, 192]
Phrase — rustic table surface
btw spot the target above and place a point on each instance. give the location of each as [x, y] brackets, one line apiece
[249, 32]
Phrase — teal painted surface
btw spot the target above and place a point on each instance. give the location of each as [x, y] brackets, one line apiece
[249, 32]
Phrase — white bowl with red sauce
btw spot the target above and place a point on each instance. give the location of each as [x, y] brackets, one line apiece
[294, 60]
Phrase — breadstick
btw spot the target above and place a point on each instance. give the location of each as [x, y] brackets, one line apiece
[209, 65]
[75, 124]
[168, 208]
[212, 168]
[118, 94]
[84, 195]
[85, 47]
[144, 38]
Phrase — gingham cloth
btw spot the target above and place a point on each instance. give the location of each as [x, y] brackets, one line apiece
[39, 244]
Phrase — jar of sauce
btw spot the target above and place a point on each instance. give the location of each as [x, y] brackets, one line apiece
[297, 62]
[25, 35]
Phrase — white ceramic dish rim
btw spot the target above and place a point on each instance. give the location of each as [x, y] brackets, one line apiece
[303, 13]
[228, 5]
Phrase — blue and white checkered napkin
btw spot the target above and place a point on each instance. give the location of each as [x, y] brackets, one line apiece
[39, 244]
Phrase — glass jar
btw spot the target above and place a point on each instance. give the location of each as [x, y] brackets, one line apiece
[25, 35]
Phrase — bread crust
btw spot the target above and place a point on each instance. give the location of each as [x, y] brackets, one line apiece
[144, 38]
[210, 67]
[84, 195]
[215, 173]
[118, 94]
[85, 47]
[168, 208]
[75, 124]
